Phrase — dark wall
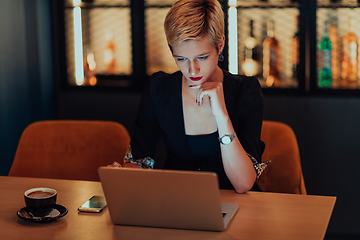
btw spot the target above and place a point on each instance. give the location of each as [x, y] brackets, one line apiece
[26, 75]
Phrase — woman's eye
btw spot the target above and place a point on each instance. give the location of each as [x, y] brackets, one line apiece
[203, 57]
[181, 59]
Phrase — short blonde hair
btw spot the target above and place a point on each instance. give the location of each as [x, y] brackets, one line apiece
[193, 19]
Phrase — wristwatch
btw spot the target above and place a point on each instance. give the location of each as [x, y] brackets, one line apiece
[227, 138]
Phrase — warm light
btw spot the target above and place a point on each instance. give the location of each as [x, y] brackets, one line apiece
[92, 81]
[250, 67]
[233, 38]
[79, 64]
[250, 42]
[270, 80]
[91, 61]
[109, 53]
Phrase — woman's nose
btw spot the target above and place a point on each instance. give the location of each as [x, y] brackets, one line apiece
[194, 68]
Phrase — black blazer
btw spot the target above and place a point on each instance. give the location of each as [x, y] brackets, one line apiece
[161, 115]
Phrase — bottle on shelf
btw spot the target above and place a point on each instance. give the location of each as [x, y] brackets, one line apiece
[271, 57]
[250, 66]
[109, 54]
[335, 59]
[349, 65]
[326, 47]
[295, 51]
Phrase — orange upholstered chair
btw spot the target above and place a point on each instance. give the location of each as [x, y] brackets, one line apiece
[69, 149]
[284, 172]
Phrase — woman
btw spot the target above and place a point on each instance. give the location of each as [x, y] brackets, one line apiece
[209, 119]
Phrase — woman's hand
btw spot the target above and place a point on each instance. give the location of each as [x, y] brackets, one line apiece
[214, 92]
[115, 164]
[126, 165]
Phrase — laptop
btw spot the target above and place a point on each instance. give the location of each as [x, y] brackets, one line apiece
[165, 198]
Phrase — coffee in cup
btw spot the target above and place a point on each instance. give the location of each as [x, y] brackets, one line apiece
[40, 197]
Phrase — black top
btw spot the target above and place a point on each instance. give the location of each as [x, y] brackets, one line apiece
[203, 148]
[161, 115]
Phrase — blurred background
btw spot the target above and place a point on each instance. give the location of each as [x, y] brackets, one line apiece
[64, 59]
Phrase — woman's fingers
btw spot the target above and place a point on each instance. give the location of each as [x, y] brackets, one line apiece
[194, 86]
[208, 90]
[115, 164]
[198, 99]
[212, 90]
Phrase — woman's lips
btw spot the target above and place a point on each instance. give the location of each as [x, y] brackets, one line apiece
[195, 78]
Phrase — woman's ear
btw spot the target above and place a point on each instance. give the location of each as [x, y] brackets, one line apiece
[221, 44]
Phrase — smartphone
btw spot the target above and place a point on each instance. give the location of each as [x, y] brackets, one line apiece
[94, 204]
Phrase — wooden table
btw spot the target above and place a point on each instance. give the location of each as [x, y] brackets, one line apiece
[260, 216]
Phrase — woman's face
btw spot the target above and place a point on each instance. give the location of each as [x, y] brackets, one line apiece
[197, 60]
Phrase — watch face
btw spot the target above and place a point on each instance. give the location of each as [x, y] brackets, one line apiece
[226, 140]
